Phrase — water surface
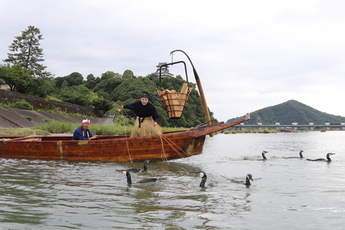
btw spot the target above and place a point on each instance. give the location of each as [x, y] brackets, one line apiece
[285, 193]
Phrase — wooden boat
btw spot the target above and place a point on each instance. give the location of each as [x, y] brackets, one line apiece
[169, 145]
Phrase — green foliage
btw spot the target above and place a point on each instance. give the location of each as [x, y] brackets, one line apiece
[18, 78]
[77, 94]
[233, 131]
[108, 130]
[41, 87]
[112, 88]
[74, 78]
[53, 98]
[102, 104]
[109, 74]
[106, 87]
[289, 112]
[28, 118]
[57, 127]
[25, 74]
[24, 132]
[91, 81]
[58, 110]
[6, 105]
[22, 104]
[128, 74]
[132, 88]
[66, 127]
[121, 120]
[26, 51]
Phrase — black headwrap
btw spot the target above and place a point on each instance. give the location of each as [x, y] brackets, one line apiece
[145, 95]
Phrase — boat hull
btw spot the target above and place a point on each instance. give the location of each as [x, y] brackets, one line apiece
[171, 145]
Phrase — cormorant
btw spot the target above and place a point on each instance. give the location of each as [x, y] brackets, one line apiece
[300, 156]
[323, 159]
[147, 180]
[249, 177]
[136, 170]
[204, 179]
[263, 156]
[129, 178]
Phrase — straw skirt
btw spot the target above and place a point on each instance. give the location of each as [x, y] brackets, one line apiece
[145, 127]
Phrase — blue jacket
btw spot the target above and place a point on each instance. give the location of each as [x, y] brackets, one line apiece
[79, 135]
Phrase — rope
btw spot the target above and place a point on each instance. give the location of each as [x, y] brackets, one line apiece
[128, 150]
[163, 156]
[162, 137]
[171, 143]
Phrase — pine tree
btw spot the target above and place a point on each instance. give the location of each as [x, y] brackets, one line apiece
[26, 52]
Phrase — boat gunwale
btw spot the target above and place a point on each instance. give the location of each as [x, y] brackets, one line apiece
[191, 133]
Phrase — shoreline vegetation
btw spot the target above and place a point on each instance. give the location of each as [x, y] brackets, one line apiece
[250, 131]
[58, 127]
[22, 104]
[233, 131]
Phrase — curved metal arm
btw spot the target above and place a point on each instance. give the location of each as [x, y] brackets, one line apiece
[201, 91]
[172, 63]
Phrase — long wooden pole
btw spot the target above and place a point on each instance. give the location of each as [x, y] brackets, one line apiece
[201, 90]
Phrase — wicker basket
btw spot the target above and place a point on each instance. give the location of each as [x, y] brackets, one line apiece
[174, 101]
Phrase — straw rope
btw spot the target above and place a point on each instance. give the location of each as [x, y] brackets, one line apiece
[162, 137]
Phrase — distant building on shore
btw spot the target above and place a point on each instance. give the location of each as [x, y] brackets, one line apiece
[164, 71]
[4, 86]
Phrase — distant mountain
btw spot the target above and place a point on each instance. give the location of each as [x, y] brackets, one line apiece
[289, 112]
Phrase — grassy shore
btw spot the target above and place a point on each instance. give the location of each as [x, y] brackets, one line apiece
[52, 127]
[249, 131]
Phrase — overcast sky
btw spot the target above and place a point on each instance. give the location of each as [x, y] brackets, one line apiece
[249, 54]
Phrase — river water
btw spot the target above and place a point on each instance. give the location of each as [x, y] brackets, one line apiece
[285, 193]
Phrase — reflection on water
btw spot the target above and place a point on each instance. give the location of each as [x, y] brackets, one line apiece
[285, 193]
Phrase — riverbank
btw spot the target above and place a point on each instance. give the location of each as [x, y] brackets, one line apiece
[21, 118]
[59, 127]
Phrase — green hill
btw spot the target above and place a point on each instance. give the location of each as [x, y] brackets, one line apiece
[289, 112]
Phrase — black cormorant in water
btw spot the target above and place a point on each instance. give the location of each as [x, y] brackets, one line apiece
[328, 159]
[147, 180]
[136, 170]
[204, 179]
[249, 178]
[263, 156]
[300, 156]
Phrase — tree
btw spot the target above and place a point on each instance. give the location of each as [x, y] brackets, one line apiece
[74, 78]
[77, 94]
[90, 77]
[91, 81]
[59, 82]
[26, 52]
[41, 87]
[105, 87]
[17, 78]
[109, 74]
[102, 104]
[132, 88]
[128, 74]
